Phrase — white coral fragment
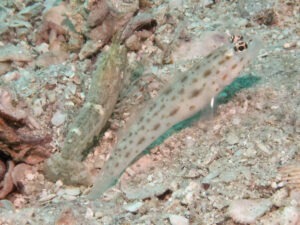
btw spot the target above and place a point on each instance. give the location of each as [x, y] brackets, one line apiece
[247, 211]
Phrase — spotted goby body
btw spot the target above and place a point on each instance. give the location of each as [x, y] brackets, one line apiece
[190, 92]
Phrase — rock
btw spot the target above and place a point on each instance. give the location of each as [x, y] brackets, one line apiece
[56, 15]
[37, 108]
[5, 204]
[290, 215]
[47, 197]
[51, 58]
[23, 176]
[3, 28]
[11, 52]
[266, 17]
[251, 8]
[246, 211]
[209, 177]
[232, 139]
[208, 3]
[4, 67]
[58, 118]
[4, 13]
[289, 45]
[70, 90]
[176, 4]
[280, 197]
[133, 207]
[7, 183]
[133, 43]
[97, 14]
[72, 191]
[67, 217]
[16, 23]
[123, 7]
[32, 10]
[178, 220]
[141, 20]
[89, 214]
[190, 193]
[147, 191]
[42, 48]
[89, 48]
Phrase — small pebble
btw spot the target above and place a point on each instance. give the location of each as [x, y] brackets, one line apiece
[189, 141]
[263, 148]
[279, 198]
[42, 48]
[178, 220]
[133, 43]
[72, 191]
[69, 197]
[133, 207]
[232, 139]
[51, 97]
[10, 76]
[89, 213]
[58, 183]
[236, 121]
[66, 217]
[58, 118]
[5, 204]
[47, 198]
[99, 214]
[289, 45]
[248, 211]
[37, 108]
[290, 215]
